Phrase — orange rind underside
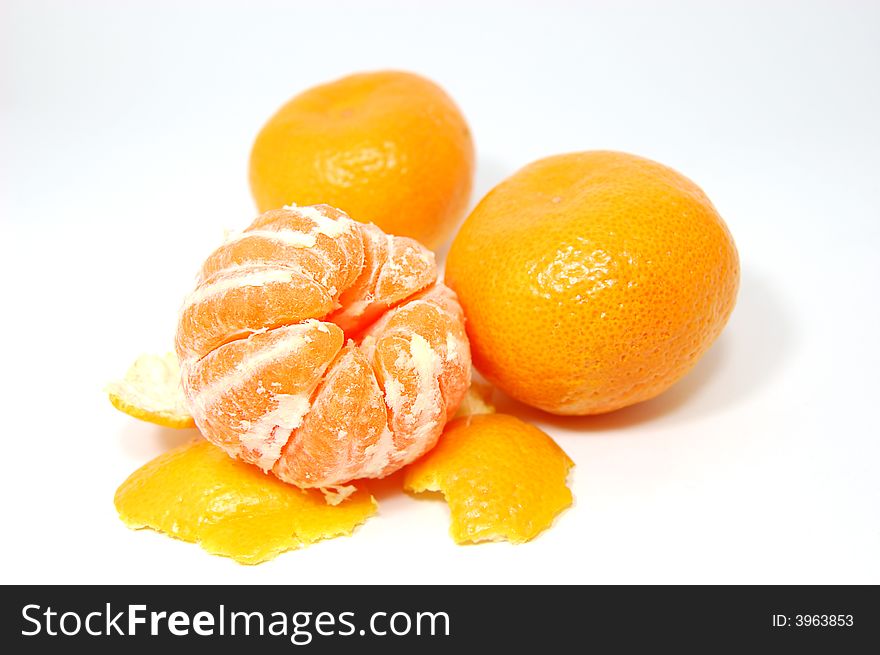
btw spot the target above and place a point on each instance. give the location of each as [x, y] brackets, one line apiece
[198, 494]
[477, 400]
[322, 349]
[150, 391]
[503, 479]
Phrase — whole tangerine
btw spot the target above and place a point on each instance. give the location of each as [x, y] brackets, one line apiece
[592, 281]
[389, 147]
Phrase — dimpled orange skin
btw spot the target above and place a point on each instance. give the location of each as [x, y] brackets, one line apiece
[389, 147]
[592, 281]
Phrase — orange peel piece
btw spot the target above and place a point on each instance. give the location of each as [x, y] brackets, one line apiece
[197, 493]
[504, 479]
[151, 391]
[477, 400]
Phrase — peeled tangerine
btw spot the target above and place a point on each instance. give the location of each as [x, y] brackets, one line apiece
[198, 494]
[322, 349]
[503, 479]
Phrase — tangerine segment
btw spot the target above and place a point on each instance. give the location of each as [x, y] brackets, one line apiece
[269, 374]
[347, 428]
[319, 242]
[198, 494]
[244, 300]
[250, 395]
[502, 478]
[150, 391]
[422, 360]
[394, 268]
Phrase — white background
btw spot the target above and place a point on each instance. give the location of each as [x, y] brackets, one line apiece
[126, 129]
